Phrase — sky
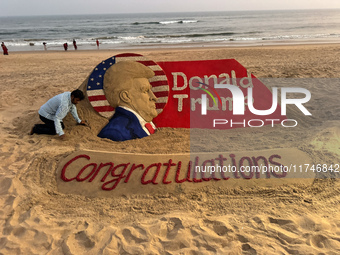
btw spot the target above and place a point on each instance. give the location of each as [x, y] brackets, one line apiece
[60, 7]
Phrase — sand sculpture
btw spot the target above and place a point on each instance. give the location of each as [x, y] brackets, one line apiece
[128, 90]
[120, 90]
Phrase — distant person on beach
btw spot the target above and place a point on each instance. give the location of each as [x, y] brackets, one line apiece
[4, 48]
[97, 42]
[75, 44]
[65, 46]
[45, 48]
[55, 110]
[128, 90]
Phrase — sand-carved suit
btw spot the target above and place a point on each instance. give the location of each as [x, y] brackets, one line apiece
[128, 90]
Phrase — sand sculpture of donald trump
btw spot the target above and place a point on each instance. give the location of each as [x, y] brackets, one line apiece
[128, 90]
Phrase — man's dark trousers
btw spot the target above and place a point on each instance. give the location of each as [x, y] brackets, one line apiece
[47, 128]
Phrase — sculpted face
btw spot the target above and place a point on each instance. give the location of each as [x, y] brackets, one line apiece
[127, 84]
[142, 99]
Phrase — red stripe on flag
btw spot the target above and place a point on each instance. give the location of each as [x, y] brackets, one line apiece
[161, 72]
[104, 108]
[128, 55]
[97, 98]
[158, 83]
[147, 63]
[160, 105]
[161, 93]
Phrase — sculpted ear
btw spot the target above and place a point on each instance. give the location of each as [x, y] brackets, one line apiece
[125, 96]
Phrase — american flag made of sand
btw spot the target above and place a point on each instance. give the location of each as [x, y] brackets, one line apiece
[96, 93]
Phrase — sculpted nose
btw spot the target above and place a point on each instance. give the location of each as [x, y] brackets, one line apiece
[152, 96]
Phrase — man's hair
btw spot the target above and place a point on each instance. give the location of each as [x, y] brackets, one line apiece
[120, 77]
[78, 94]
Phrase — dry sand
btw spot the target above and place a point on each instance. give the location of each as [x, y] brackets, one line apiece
[37, 219]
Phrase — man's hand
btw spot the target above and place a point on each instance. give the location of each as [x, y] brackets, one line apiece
[83, 122]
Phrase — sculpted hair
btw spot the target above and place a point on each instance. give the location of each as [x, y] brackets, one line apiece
[119, 77]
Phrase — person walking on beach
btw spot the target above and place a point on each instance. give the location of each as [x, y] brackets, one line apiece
[97, 42]
[4, 48]
[45, 48]
[65, 46]
[55, 110]
[75, 44]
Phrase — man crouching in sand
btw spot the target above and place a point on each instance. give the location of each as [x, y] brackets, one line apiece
[55, 110]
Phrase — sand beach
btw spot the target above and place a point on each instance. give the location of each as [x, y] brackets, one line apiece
[287, 219]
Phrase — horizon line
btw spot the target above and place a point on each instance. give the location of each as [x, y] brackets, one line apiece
[125, 13]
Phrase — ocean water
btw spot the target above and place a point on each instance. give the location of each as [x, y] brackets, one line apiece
[169, 29]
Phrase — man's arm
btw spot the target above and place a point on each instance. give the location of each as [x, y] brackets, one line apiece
[75, 115]
[57, 124]
[60, 115]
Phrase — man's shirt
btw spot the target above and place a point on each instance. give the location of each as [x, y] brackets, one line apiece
[57, 108]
